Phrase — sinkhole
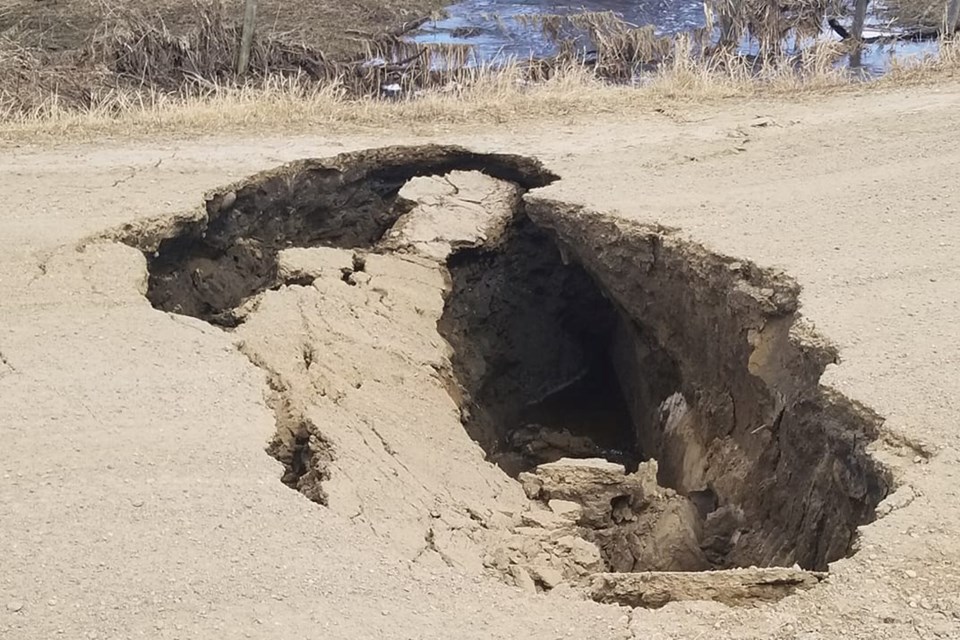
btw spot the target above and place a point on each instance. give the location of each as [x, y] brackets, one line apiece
[669, 392]
[535, 342]
[578, 335]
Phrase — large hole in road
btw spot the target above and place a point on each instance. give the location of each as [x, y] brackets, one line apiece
[215, 263]
[664, 397]
[583, 336]
[533, 340]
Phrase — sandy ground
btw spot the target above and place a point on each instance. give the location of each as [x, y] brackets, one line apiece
[137, 501]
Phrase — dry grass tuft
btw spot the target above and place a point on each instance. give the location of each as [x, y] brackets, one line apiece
[913, 14]
[770, 24]
[931, 68]
[616, 50]
[494, 99]
[135, 51]
[142, 52]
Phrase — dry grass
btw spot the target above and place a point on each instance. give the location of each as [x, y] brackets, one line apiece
[724, 74]
[493, 99]
[913, 14]
[616, 50]
[134, 76]
[943, 66]
[136, 52]
[339, 28]
[769, 23]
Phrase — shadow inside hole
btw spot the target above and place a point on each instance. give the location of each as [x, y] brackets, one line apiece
[538, 351]
[647, 357]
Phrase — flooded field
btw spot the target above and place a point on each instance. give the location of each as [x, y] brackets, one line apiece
[497, 31]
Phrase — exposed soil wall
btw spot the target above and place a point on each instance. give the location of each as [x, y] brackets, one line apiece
[760, 431]
[719, 374]
[531, 337]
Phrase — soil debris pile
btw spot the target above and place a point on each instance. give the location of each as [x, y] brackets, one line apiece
[733, 587]
[636, 524]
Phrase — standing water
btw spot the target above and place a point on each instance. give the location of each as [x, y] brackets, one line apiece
[492, 28]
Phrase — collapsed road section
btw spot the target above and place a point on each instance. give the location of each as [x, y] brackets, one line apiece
[512, 385]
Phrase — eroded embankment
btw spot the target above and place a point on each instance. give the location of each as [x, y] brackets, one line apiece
[713, 375]
[658, 404]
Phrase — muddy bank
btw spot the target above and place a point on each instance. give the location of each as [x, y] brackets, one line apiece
[649, 405]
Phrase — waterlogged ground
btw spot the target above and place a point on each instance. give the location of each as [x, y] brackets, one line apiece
[497, 33]
[501, 35]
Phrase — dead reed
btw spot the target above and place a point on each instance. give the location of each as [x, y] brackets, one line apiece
[770, 24]
[133, 51]
[616, 50]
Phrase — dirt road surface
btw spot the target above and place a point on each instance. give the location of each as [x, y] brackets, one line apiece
[136, 499]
